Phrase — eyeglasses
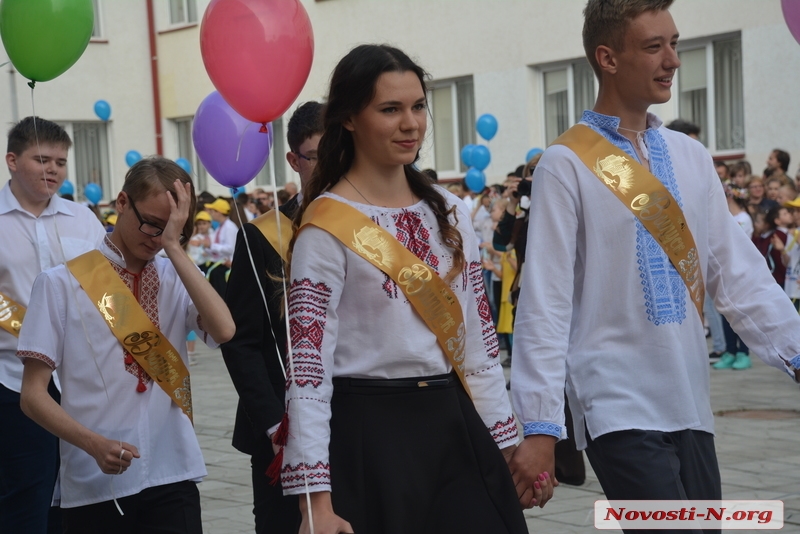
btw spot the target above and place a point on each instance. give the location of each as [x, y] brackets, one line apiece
[310, 159]
[150, 229]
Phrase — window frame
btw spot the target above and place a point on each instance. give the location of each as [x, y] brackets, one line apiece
[106, 183]
[452, 83]
[569, 66]
[707, 43]
[185, 22]
[98, 23]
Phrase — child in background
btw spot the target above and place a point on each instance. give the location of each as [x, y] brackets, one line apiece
[737, 205]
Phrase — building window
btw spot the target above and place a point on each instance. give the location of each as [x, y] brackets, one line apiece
[568, 91]
[90, 149]
[276, 165]
[452, 106]
[182, 11]
[97, 29]
[711, 93]
[183, 128]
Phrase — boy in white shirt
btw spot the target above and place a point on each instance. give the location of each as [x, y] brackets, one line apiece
[126, 403]
[38, 230]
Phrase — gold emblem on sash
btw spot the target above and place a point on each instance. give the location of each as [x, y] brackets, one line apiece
[133, 328]
[415, 278]
[374, 240]
[104, 305]
[11, 315]
[431, 298]
[615, 172]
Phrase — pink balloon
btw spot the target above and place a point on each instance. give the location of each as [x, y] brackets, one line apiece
[258, 54]
[791, 12]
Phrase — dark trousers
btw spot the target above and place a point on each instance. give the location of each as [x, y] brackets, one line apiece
[651, 465]
[570, 468]
[733, 343]
[28, 469]
[168, 509]
[275, 513]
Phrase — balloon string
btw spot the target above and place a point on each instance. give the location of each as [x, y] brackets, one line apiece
[241, 138]
[64, 259]
[260, 288]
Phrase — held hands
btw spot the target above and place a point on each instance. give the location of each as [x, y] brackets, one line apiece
[532, 465]
[113, 457]
[178, 214]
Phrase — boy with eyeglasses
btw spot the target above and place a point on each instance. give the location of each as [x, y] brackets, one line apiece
[112, 322]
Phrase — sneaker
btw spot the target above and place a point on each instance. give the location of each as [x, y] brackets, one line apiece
[714, 357]
[742, 362]
[725, 362]
[192, 358]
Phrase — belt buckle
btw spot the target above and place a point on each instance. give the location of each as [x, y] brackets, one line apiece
[434, 383]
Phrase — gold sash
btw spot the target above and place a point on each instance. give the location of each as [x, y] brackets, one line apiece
[646, 197]
[11, 315]
[269, 227]
[132, 327]
[432, 299]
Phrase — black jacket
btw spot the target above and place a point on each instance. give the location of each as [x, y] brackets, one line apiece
[251, 355]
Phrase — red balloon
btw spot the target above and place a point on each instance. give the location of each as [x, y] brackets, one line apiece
[258, 54]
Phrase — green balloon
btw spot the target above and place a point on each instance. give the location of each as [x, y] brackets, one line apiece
[44, 38]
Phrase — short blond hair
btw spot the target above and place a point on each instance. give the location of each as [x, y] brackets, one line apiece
[605, 23]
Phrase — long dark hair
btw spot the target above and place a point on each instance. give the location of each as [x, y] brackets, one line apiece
[352, 88]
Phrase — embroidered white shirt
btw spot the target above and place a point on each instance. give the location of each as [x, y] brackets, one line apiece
[603, 309]
[99, 388]
[30, 245]
[349, 319]
[223, 241]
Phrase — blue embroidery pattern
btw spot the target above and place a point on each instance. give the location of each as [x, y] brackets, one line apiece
[663, 288]
[550, 429]
[795, 362]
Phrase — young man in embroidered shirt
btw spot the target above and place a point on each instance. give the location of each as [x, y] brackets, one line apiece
[619, 326]
[38, 230]
[125, 425]
[256, 353]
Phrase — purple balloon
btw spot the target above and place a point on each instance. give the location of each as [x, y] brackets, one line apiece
[230, 147]
[791, 12]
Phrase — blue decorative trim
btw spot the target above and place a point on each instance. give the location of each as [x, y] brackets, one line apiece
[662, 286]
[538, 427]
[795, 362]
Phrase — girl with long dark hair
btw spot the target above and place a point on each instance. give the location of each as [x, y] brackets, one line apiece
[381, 432]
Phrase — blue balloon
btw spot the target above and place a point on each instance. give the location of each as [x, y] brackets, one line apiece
[475, 180]
[466, 155]
[486, 126]
[131, 157]
[66, 188]
[184, 164]
[481, 157]
[93, 193]
[235, 191]
[531, 153]
[103, 110]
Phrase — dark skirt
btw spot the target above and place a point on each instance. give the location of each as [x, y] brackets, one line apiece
[417, 460]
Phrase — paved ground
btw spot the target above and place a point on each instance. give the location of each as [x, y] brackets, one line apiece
[759, 457]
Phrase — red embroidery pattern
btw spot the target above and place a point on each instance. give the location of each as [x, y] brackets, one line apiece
[308, 304]
[413, 235]
[148, 284]
[36, 356]
[485, 313]
[503, 431]
[295, 476]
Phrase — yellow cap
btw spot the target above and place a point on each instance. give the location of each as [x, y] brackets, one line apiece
[219, 205]
[112, 219]
[203, 216]
[793, 203]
